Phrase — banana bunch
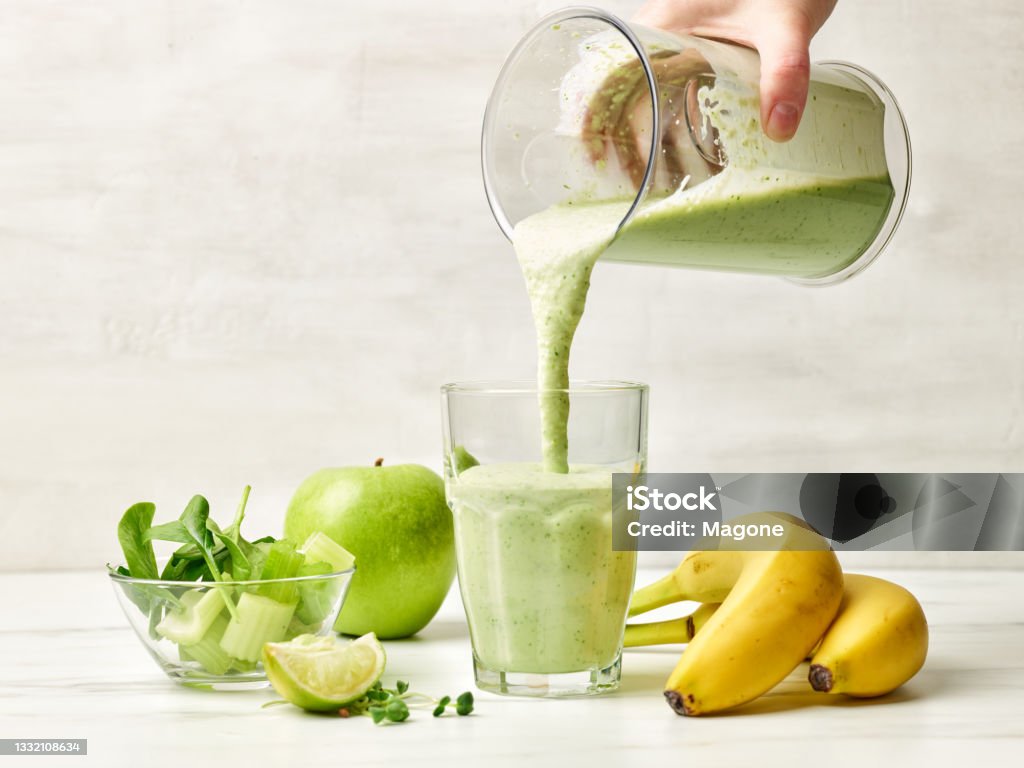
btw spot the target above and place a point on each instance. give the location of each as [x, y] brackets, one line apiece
[764, 611]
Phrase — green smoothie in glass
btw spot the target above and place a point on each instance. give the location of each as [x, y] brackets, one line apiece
[543, 589]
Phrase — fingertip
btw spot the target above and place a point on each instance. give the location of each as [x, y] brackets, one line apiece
[785, 75]
[784, 88]
[783, 120]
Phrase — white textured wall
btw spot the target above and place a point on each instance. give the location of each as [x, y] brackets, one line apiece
[241, 240]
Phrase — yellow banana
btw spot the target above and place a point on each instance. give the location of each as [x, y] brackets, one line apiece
[708, 573]
[877, 642]
[705, 576]
[780, 604]
[671, 631]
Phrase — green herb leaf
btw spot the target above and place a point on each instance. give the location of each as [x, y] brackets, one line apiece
[175, 569]
[234, 531]
[377, 713]
[464, 704]
[397, 711]
[187, 551]
[172, 531]
[401, 686]
[240, 567]
[257, 555]
[137, 549]
[194, 519]
[442, 705]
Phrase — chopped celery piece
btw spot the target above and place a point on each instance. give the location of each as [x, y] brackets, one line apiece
[242, 666]
[188, 623]
[296, 627]
[207, 651]
[283, 562]
[320, 547]
[316, 598]
[258, 557]
[260, 620]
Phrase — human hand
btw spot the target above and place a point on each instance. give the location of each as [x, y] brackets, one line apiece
[780, 30]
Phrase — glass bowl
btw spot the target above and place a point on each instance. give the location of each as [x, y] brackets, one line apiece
[208, 634]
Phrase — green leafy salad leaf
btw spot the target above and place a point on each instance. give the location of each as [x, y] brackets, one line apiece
[241, 567]
[206, 553]
[137, 548]
[171, 531]
[194, 520]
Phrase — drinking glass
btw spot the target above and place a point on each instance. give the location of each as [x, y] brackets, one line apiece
[544, 592]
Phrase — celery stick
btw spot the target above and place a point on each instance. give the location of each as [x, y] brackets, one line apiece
[187, 625]
[260, 620]
[257, 553]
[207, 651]
[316, 598]
[283, 562]
[320, 547]
[296, 628]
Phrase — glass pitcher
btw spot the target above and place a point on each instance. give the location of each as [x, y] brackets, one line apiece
[663, 133]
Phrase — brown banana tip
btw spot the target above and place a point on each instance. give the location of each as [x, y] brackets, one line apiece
[691, 630]
[820, 678]
[678, 703]
[379, 462]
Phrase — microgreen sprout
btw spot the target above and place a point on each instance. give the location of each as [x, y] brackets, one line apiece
[464, 704]
[441, 705]
[391, 705]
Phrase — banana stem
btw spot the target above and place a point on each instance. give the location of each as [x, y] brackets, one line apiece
[662, 592]
[670, 631]
[659, 632]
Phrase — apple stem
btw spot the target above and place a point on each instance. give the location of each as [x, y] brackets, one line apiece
[378, 462]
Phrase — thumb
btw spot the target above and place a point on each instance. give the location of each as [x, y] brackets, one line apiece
[785, 71]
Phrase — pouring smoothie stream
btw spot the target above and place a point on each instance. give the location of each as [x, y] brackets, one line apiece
[811, 206]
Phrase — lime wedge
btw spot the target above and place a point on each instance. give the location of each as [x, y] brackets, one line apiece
[323, 673]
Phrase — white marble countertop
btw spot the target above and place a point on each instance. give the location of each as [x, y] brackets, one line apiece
[71, 668]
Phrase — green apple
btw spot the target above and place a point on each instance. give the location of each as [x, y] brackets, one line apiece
[397, 524]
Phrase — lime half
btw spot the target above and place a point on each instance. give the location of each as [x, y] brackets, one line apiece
[323, 673]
